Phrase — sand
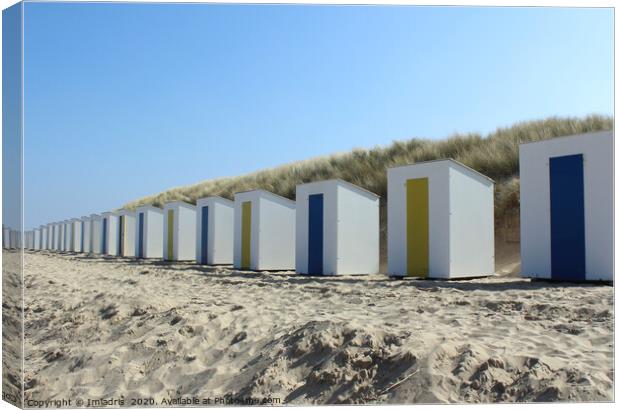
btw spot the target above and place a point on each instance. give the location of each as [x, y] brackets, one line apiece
[114, 329]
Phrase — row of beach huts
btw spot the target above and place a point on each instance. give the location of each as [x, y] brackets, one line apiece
[439, 222]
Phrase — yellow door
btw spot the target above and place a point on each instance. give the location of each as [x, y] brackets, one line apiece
[170, 234]
[246, 233]
[417, 227]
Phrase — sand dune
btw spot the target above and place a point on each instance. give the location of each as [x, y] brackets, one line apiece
[105, 328]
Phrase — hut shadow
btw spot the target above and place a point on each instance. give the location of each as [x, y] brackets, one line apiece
[496, 284]
[430, 285]
[278, 277]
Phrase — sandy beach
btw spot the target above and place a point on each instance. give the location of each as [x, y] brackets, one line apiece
[113, 329]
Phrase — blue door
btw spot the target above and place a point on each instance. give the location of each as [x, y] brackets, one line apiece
[204, 235]
[568, 245]
[141, 235]
[104, 237]
[315, 234]
[121, 233]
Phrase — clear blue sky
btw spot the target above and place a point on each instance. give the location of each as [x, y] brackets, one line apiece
[126, 100]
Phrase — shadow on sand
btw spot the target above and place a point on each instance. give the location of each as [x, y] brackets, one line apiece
[498, 284]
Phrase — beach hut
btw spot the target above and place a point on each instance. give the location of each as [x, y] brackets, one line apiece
[63, 236]
[27, 240]
[149, 236]
[50, 237]
[127, 233]
[96, 234]
[76, 235]
[85, 239]
[6, 237]
[43, 230]
[36, 236]
[440, 221]
[567, 214]
[59, 236]
[337, 229]
[215, 217]
[264, 237]
[68, 236]
[14, 239]
[109, 226]
[55, 236]
[179, 231]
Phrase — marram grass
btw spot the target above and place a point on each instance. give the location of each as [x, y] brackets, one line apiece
[495, 155]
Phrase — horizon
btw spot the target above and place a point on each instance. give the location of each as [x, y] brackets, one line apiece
[134, 99]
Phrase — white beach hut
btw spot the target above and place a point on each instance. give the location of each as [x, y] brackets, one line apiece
[337, 229]
[36, 239]
[76, 235]
[14, 239]
[215, 217]
[179, 231]
[27, 240]
[109, 227]
[127, 233]
[149, 235]
[264, 231]
[59, 236]
[69, 236]
[6, 237]
[440, 221]
[43, 230]
[55, 236]
[86, 227]
[567, 212]
[50, 237]
[63, 236]
[96, 234]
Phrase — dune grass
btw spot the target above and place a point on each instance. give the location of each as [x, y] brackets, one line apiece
[495, 155]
